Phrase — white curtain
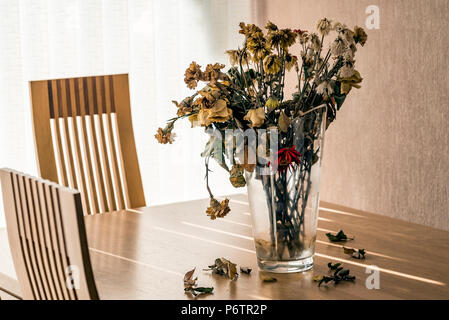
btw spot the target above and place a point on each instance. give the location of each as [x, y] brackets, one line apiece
[152, 40]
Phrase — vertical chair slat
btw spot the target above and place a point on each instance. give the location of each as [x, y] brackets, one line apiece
[127, 147]
[84, 110]
[17, 238]
[65, 105]
[30, 238]
[36, 227]
[48, 242]
[74, 107]
[100, 101]
[60, 274]
[110, 108]
[93, 109]
[55, 87]
[62, 246]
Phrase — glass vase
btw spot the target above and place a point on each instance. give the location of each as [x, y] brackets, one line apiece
[284, 203]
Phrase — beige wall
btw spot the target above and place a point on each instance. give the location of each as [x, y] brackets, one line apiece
[388, 151]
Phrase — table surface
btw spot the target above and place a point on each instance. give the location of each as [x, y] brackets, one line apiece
[144, 253]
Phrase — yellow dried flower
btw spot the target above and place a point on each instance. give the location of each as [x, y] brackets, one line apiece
[272, 104]
[257, 45]
[218, 113]
[192, 75]
[236, 176]
[210, 93]
[272, 64]
[283, 38]
[348, 83]
[256, 117]
[217, 209]
[249, 29]
[213, 73]
[271, 26]
[163, 136]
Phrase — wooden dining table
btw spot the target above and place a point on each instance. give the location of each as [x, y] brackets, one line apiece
[144, 253]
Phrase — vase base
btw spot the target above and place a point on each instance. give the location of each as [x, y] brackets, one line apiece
[286, 266]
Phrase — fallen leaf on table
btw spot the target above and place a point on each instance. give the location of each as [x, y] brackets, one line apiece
[339, 274]
[317, 278]
[333, 266]
[190, 284]
[355, 253]
[340, 236]
[246, 270]
[224, 267]
[189, 281]
[266, 278]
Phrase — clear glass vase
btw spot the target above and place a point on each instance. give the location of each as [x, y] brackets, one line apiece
[284, 203]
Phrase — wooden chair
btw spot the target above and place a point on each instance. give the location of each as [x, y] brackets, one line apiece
[45, 225]
[84, 140]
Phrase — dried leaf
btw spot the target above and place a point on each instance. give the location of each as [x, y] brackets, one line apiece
[224, 267]
[189, 281]
[246, 270]
[266, 278]
[340, 236]
[339, 274]
[333, 266]
[355, 253]
[317, 278]
[284, 122]
[199, 290]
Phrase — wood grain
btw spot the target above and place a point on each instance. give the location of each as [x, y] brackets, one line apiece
[144, 253]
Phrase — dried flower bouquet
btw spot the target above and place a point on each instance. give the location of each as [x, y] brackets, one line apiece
[251, 96]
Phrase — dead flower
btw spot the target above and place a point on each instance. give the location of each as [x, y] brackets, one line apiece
[360, 35]
[236, 176]
[165, 135]
[192, 75]
[224, 267]
[218, 209]
[256, 117]
[348, 83]
[324, 26]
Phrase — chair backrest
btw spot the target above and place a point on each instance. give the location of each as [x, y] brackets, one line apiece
[84, 140]
[47, 237]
